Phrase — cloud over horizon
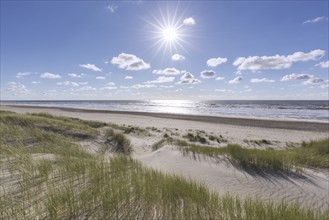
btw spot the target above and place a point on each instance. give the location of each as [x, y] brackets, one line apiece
[275, 62]
[48, 75]
[188, 78]
[161, 79]
[262, 80]
[167, 71]
[130, 62]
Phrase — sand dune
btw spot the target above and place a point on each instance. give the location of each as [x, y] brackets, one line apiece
[310, 188]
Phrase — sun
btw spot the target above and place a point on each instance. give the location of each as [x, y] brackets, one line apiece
[169, 34]
[167, 31]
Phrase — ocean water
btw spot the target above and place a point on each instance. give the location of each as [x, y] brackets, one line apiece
[300, 110]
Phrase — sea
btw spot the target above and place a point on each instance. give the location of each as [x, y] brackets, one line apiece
[309, 110]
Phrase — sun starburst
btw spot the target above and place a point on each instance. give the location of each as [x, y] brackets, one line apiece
[168, 31]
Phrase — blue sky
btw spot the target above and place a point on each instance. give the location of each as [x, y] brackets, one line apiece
[164, 50]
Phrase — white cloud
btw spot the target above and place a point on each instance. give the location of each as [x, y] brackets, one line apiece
[108, 88]
[325, 85]
[177, 57]
[100, 77]
[263, 80]
[310, 79]
[189, 21]
[315, 20]
[236, 80]
[129, 62]
[92, 67]
[22, 74]
[17, 88]
[48, 75]
[68, 83]
[110, 84]
[170, 86]
[275, 62]
[74, 75]
[314, 80]
[208, 74]
[225, 90]
[188, 78]
[161, 79]
[85, 88]
[129, 77]
[213, 62]
[167, 71]
[112, 8]
[220, 78]
[140, 86]
[297, 76]
[35, 82]
[324, 64]
[83, 83]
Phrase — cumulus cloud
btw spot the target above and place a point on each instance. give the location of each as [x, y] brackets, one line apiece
[92, 67]
[167, 71]
[177, 57]
[315, 20]
[17, 88]
[129, 77]
[297, 76]
[275, 62]
[220, 78]
[189, 21]
[324, 64]
[314, 80]
[68, 83]
[325, 85]
[310, 79]
[262, 80]
[74, 75]
[213, 62]
[36, 82]
[48, 75]
[22, 74]
[100, 77]
[161, 79]
[188, 78]
[208, 74]
[129, 62]
[236, 80]
[140, 86]
[112, 8]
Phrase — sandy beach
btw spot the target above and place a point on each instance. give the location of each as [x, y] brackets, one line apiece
[310, 188]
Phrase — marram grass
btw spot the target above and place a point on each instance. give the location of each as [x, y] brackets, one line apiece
[77, 185]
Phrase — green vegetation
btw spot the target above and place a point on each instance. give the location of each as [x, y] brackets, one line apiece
[69, 183]
[195, 138]
[120, 143]
[312, 154]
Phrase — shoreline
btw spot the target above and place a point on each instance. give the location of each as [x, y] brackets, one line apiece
[239, 121]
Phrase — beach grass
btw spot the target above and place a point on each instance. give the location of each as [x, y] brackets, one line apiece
[314, 154]
[69, 183]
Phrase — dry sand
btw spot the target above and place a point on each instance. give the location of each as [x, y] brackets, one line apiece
[311, 189]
